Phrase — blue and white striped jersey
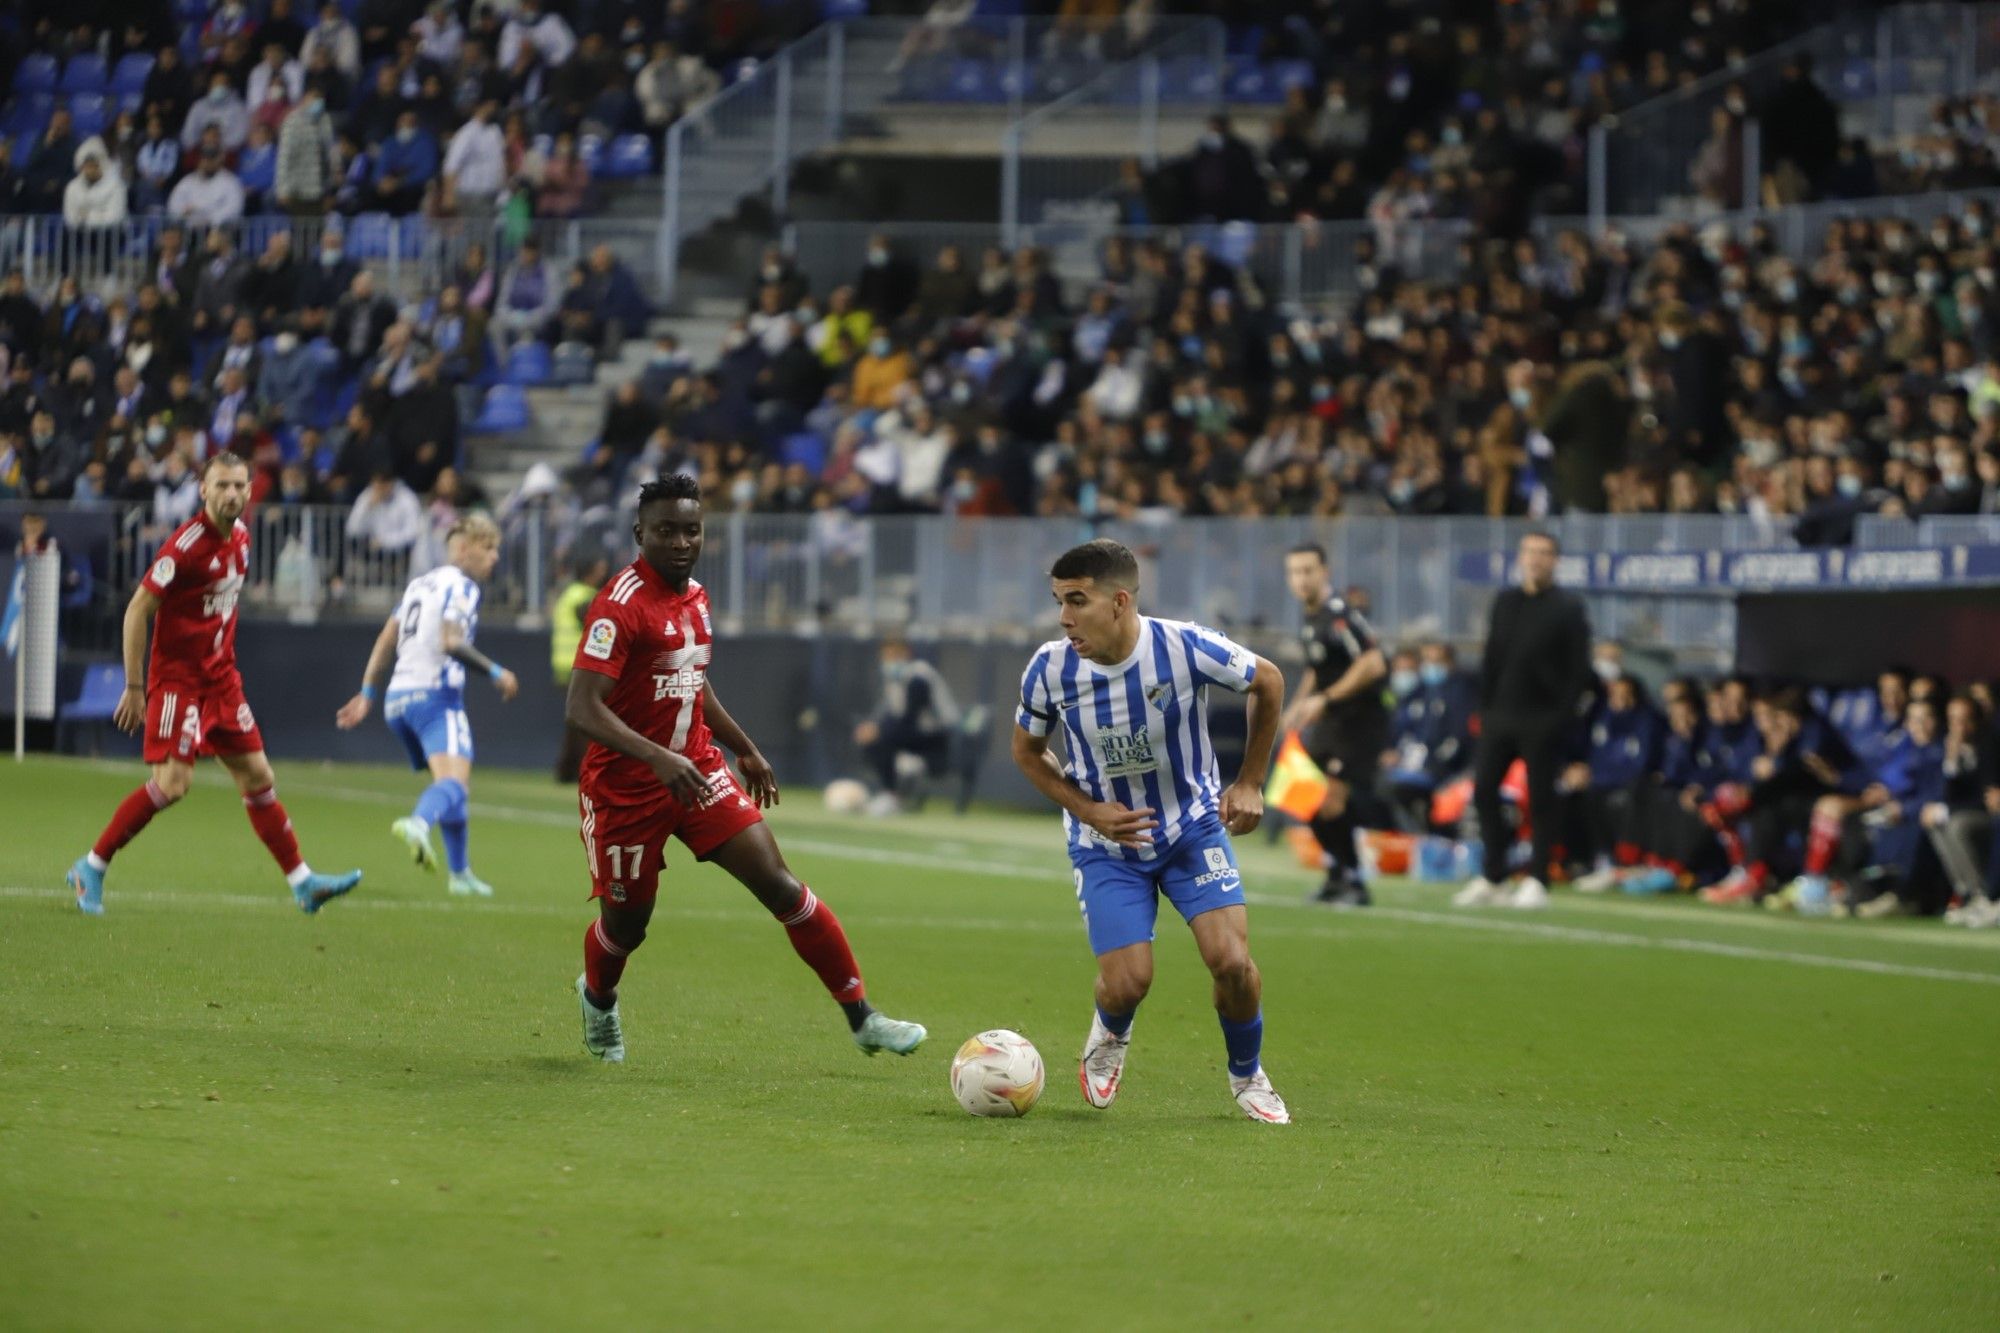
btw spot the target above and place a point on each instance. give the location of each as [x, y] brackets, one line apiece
[446, 593]
[1137, 732]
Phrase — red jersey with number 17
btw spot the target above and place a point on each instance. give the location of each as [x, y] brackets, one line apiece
[198, 575]
[656, 644]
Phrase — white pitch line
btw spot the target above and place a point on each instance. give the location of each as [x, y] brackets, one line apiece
[919, 860]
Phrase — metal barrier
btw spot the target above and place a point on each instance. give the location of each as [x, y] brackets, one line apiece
[1071, 150]
[1295, 265]
[1885, 70]
[835, 573]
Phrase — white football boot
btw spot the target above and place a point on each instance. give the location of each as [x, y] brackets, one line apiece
[603, 1037]
[1258, 1099]
[1103, 1063]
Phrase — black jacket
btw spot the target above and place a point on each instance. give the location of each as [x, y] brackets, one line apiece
[1537, 655]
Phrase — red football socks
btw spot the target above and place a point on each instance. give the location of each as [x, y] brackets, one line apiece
[1822, 841]
[818, 939]
[603, 964]
[274, 826]
[133, 813]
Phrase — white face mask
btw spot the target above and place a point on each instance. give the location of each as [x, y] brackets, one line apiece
[285, 343]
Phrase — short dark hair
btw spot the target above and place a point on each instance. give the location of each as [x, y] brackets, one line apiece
[1102, 561]
[673, 486]
[1308, 548]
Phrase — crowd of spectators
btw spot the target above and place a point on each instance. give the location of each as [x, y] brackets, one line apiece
[1872, 802]
[388, 106]
[295, 362]
[1479, 113]
[1704, 374]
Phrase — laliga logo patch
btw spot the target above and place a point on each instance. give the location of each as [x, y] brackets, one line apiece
[602, 635]
[163, 570]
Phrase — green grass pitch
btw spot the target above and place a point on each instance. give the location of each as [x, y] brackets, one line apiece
[216, 1113]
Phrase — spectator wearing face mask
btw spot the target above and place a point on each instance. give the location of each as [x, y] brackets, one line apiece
[880, 373]
[223, 108]
[288, 379]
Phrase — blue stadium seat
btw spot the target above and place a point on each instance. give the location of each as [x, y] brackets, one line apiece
[1251, 84]
[630, 155]
[131, 74]
[590, 151]
[804, 447]
[574, 363]
[1189, 79]
[1292, 74]
[505, 409]
[90, 113]
[96, 699]
[132, 102]
[528, 364]
[85, 74]
[37, 74]
[835, 10]
[368, 236]
[973, 81]
[28, 114]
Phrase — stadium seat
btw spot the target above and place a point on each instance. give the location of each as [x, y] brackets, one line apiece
[630, 155]
[973, 81]
[528, 364]
[590, 151]
[804, 447]
[132, 102]
[96, 700]
[835, 10]
[37, 74]
[505, 409]
[130, 75]
[28, 114]
[89, 113]
[85, 74]
[574, 363]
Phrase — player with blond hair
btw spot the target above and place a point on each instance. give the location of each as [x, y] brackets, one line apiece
[429, 639]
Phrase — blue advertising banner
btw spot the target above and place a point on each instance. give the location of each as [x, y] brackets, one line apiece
[1721, 572]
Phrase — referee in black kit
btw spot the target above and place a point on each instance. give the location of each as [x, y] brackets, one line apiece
[1339, 711]
[1532, 686]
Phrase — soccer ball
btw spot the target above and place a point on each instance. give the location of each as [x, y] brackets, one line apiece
[845, 796]
[997, 1073]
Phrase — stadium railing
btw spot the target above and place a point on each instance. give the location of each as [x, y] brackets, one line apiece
[834, 572]
[1069, 152]
[838, 79]
[1884, 71]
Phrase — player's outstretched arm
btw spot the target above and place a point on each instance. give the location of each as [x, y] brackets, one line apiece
[758, 777]
[589, 711]
[130, 715]
[451, 638]
[1243, 799]
[355, 710]
[1130, 828]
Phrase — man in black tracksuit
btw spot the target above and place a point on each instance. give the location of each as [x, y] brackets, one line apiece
[1339, 712]
[1532, 686]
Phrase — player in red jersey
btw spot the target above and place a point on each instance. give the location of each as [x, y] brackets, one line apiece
[640, 692]
[192, 703]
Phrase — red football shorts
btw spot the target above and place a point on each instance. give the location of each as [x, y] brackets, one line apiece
[190, 723]
[625, 838]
